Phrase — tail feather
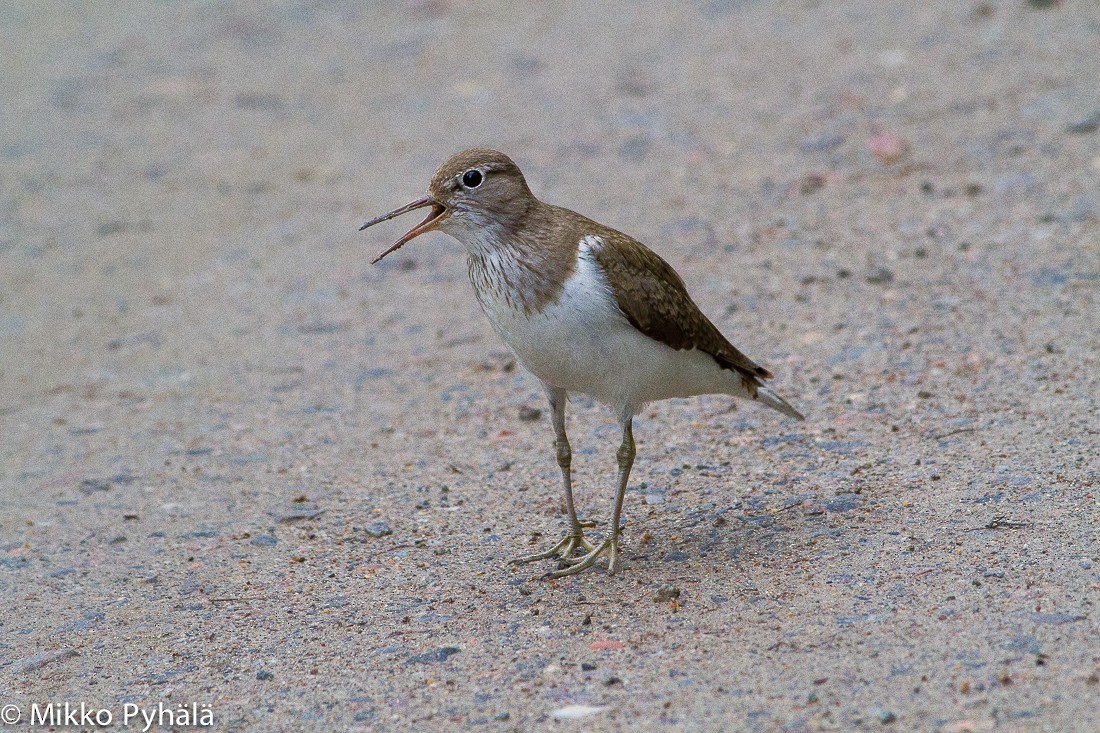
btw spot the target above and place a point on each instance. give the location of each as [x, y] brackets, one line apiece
[771, 399]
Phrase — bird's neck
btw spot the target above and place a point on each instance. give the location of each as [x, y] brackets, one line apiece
[525, 263]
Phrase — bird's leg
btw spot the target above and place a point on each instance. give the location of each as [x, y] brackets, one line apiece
[574, 540]
[610, 546]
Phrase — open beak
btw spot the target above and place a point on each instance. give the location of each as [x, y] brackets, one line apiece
[437, 211]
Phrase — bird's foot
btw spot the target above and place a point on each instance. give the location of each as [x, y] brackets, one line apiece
[566, 549]
[609, 547]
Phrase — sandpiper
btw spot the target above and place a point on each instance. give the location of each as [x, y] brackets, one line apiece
[584, 308]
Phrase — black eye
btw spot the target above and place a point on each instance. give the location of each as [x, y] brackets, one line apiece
[471, 178]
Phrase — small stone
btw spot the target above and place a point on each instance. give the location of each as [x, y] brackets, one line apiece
[378, 529]
[588, 667]
[667, 593]
[263, 674]
[1056, 619]
[885, 717]
[1085, 126]
[823, 143]
[502, 716]
[91, 485]
[529, 414]
[38, 661]
[612, 680]
[811, 183]
[438, 655]
[634, 148]
[297, 512]
[574, 712]
[888, 148]
[983, 11]
[879, 276]
[844, 503]
[264, 540]
[114, 226]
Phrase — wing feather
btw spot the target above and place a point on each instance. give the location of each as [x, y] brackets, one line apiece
[656, 302]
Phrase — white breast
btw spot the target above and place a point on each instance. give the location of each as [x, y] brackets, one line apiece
[582, 342]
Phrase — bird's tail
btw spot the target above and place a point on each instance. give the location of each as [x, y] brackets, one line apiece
[771, 399]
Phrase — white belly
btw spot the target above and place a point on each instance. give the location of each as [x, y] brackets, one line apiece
[583, 343]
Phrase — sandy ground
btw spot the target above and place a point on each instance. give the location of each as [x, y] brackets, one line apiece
[242, 468]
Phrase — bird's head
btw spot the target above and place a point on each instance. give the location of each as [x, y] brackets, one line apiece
[474, 191]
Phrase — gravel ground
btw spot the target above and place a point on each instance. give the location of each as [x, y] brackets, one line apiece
[242, 468]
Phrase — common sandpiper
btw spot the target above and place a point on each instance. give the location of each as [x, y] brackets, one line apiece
[586, 309]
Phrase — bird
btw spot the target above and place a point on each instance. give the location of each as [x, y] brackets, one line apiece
[587, 310]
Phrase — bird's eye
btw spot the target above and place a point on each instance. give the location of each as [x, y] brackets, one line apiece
[471, 178]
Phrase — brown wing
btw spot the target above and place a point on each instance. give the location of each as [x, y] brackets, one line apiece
[655, 300]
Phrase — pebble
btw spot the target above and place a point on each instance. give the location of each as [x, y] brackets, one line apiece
[822, 143]
[529, 414]
[879, 276]
[437, 655]
[378, 529]
[91, 485]
[40, 660]
[575, 712]
[634, 149]
[295, 513]
[882, 715]
[812, 182]
[888, 148]
[263, 674]
[667, 593]
[264, 540]
[844, 503]
[1056, 619]
[1085, 126]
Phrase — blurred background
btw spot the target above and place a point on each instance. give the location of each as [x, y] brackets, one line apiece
[228, 444]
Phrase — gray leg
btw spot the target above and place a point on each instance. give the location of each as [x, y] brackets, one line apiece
[609, 546]
[574, 540]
